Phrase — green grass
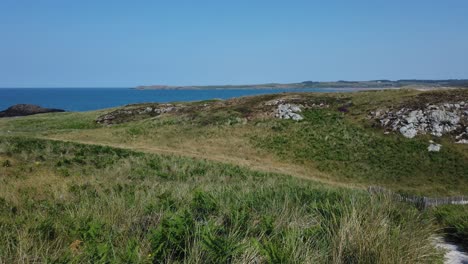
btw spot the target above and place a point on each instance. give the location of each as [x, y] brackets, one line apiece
[327, 144]
[44, 123]
[66, 202]
[69, 202]
[454, 220]
[352, 152]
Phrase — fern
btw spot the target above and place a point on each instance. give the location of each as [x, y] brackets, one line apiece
[171, 239]
[221, 249]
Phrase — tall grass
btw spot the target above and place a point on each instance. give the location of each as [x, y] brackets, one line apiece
[63, 202]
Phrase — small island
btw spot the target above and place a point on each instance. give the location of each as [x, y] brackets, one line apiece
[26, 109]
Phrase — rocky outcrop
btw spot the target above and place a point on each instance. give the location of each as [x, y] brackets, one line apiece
[135, 112]
[289, 111]
[291, 108]
[27, 109]
[434, 119]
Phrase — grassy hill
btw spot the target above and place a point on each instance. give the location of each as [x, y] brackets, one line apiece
[226, 181]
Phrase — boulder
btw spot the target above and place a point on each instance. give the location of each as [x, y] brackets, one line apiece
[434, 147]
[408, 131]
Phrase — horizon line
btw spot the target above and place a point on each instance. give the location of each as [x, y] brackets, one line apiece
[198, 85]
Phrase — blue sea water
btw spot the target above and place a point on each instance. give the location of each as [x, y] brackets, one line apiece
[85, 99]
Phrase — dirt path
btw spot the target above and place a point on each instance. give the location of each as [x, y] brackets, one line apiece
[264, 165]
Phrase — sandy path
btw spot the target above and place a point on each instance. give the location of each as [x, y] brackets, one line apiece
[454, 254]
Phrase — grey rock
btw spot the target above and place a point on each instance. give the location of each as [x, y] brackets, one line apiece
[434, 147]
[288, 111]
[437, 120]
[296, 117]
[408, 131]
[444, 116]
[295, 108]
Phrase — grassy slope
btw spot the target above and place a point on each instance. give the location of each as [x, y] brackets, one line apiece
[339, 149]
[328, 145]
[66, 202]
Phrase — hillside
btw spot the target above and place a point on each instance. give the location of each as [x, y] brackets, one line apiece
[268, 179]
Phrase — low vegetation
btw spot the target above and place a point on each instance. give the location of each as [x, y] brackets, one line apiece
[67, 202]
[351, 153]
[454, 219]
[337, 143]
[227, 182]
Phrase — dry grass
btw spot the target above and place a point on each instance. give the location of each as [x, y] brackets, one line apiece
[95, 204]
[211, 134]
[213, 146]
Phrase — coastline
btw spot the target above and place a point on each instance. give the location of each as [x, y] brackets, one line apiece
[362, 85]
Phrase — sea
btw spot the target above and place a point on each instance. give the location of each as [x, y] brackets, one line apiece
[86, 99]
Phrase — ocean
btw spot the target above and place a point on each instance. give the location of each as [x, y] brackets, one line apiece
[86, 99]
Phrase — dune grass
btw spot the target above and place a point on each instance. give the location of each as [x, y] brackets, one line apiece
[454, 220]
[66, 202]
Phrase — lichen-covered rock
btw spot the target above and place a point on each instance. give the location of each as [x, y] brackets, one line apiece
[289, 111]
[434, 119]
[408, 131]
[462, 138]
[434, 147]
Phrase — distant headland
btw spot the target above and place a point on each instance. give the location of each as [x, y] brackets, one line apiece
[313, 84]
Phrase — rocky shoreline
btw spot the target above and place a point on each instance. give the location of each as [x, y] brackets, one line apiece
[27, 109]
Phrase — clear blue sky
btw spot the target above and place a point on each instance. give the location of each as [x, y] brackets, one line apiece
[97, 43]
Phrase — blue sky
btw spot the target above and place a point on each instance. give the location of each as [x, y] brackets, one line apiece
[64, 43]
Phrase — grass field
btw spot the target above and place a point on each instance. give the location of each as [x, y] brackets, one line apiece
[227, 183]
[66, 202]
[328, 145]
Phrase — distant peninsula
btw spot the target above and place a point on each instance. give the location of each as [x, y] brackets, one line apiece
[312, 84]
